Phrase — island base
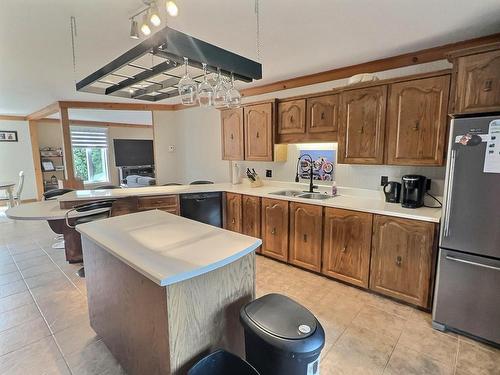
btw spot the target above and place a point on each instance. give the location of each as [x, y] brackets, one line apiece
[152, 329]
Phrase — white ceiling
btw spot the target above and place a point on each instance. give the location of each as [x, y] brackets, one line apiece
[298, 37]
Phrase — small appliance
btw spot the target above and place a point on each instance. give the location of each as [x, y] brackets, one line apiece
[413, 189]
[392, 191]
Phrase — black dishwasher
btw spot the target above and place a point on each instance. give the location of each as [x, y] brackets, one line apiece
[203, 207]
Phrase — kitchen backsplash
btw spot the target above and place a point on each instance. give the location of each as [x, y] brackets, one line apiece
[355, 176]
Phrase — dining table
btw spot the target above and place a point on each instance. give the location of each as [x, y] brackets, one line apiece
[8, 186]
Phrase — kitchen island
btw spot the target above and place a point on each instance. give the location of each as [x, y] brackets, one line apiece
[163, 291]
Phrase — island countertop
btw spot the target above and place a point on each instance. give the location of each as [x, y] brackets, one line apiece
[167, 248]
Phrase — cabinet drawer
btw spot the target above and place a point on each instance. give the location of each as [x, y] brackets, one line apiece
[165, 201]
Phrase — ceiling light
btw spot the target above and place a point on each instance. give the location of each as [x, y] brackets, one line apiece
[145, 29]
[134, 29]
[154, 15]
[172, 8]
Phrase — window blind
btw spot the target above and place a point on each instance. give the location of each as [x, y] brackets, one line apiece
[82, 137]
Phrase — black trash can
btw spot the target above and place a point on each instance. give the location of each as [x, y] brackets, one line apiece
[222, 363]
[281, 336]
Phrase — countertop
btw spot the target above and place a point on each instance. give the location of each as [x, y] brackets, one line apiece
[44, 210]
[350, 199]
[167, 248]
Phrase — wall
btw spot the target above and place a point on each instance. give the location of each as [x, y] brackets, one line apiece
[196, 134]
[17, 156]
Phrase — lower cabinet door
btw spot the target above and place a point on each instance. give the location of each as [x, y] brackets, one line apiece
[305, 235]
[275, 228]
[233, 212]
[346, 245]
[403, 253]
[250, 223]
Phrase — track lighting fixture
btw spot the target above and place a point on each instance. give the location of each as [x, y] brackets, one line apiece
[145, 29]
[172, 8]
[134, 29]
[154, 15]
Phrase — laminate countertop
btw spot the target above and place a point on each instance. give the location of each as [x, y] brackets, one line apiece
[349, 198]
[168, 248]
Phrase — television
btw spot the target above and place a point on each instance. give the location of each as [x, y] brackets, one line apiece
[133, 152]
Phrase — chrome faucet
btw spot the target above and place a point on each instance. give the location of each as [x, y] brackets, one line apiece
[311, 170]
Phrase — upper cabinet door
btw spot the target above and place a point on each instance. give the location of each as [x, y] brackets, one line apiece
[362, 122]
[292, 117]
[478, 83]
[416, 121]
[259, 132]
[232, 134]
[322, 114]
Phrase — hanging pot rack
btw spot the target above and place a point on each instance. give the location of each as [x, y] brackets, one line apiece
[151, 70]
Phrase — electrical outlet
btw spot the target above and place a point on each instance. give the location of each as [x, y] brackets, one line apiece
[384, 180]
[171, 148]
[269, 173]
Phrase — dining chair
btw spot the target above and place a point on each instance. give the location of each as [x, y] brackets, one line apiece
[20, 185]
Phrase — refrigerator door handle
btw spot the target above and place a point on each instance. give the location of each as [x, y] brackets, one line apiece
[472, 263]
[449, 193]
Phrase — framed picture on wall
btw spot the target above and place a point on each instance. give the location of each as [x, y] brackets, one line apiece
[8, 136]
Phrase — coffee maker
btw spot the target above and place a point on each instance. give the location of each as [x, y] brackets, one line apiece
[413, 190]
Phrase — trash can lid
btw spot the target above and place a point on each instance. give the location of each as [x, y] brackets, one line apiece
[280, 316]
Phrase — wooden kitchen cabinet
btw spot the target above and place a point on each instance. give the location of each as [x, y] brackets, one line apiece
[250, 223]
[322, 114]
[476, 80]
[258, 120]
[305, 235]
[347, 245]
[417, 121]
[232, 217]
[167, 203]
[362, 125]
[403, 253]
[232, 134]
[292, 117]
[275, 228]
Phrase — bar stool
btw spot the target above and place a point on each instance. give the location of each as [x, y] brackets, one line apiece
[50, 196]
[93, 211]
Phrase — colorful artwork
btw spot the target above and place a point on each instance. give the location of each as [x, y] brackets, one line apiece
[324, 164]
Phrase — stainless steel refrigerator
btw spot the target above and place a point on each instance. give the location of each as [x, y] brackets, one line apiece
[467, 294]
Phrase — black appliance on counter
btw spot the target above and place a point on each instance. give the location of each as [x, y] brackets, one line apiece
[413, 190]
[392, 191]
[203, 207]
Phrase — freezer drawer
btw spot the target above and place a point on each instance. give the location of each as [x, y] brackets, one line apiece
[467, 296]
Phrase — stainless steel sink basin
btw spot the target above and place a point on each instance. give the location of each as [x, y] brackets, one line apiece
[315, 196]
[288, 193]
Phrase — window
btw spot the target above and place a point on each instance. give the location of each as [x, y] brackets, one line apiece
[90, 153]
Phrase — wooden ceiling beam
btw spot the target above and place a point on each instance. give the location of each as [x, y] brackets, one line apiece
[393, 62]
[44, 112]
[117, 106]
[96, 123]
[13, 118]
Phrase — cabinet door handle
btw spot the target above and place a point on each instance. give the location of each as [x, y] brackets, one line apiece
[273, 231]
[291, 119]
[399, 260]
[257, 135]
[305, 237]
[231, 136]
[233, 221]
[417, 126]
[362, 130]
[344, 249]
[322, 115]
[488, 84]
[472, 263]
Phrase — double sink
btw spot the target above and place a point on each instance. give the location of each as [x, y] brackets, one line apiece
[301, 194]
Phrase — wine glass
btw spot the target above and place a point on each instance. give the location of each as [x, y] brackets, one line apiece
[233, 95]
[220, 91]
[187, 86]
[205, 90]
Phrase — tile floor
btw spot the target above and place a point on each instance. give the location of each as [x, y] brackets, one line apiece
[44, 327]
